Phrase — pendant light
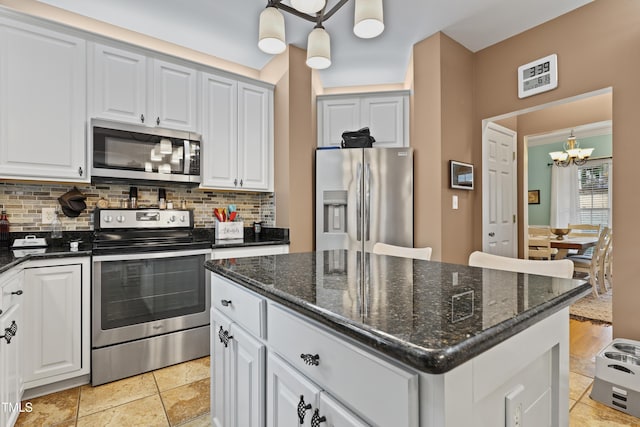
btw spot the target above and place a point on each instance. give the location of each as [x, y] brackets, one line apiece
[368, 23]
[271, 31]
[368, 20]
[308, 6]
[319, 49]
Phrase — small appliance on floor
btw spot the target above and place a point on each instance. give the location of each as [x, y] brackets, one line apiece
[617, 380]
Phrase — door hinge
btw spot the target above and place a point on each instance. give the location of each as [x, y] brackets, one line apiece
[514, 219]
[514, 155]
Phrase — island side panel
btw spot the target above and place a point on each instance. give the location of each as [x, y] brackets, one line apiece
[532, 366]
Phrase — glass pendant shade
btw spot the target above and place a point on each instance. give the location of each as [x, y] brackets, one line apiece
[368, 19]
[319, 49]
[271, 31]
[308, 6]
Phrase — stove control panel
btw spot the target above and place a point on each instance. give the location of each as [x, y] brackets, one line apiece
[143, 218]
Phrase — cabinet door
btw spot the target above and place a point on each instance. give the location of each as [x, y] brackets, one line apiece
[53, 321]
[248, 379]
[337, 116]
[119, 79]
[220, 371]
[219, 132]
[173, 100]
[288, 389]
[255, 141]
[42, 104]
[385, 117]
[11, 352]
[10, 373]
[336, 415]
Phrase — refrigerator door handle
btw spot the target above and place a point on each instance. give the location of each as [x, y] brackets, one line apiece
[367, 202]
[359, 203]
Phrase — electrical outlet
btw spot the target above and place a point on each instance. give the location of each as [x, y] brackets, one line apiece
[514, 411]
[47, 215]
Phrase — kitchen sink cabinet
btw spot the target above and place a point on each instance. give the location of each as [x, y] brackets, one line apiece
[386, 114]
[12, 335]
[238, 374]
[130, 86]
[42, 103]
[237, 134]
[56, 321]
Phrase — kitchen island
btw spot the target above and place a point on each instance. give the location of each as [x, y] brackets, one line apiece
[362, 339]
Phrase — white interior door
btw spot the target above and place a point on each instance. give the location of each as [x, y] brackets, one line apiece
[499, 194]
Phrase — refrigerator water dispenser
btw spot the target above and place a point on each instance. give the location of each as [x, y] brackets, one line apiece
[335, 211]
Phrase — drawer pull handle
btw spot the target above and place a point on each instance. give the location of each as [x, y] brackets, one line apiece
[10, 332]
[310, 359]
[225, 302]
[224, 337]
[316, 419]
[302, 409]
[17, 292]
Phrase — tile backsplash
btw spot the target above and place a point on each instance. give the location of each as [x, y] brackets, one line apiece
[24, 203]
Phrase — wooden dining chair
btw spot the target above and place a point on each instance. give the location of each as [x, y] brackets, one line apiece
[594, 265]
[583, 230]
[402, 251]
[540, 243]
[555, 268]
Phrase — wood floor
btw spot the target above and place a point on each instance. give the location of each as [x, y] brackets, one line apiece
[179, 395]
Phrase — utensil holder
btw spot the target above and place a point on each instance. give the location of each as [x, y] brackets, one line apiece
[229, 230]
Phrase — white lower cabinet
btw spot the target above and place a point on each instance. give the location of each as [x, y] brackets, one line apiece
[243, 252]
[293, 400]
[347, 387]
[11, 336]
[56, 321]
[238, 375]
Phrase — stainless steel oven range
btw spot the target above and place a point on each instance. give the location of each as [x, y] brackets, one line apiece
[150, 292]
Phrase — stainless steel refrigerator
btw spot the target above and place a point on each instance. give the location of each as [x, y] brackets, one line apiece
[364, 196]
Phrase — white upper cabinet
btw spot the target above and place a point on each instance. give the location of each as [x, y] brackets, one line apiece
[132, 87]
[42, 104]
[119, 78]
[237, 135]
[386, 114]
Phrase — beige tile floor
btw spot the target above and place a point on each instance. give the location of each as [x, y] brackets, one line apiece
[179, 395]
[174, 396]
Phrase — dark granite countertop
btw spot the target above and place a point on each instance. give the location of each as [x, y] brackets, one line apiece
[430, 315]
[10, 258]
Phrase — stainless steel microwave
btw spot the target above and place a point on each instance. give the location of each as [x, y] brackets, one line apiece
[141, 153]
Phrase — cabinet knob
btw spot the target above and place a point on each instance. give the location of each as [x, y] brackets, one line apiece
[142, 118]
[10, 332]
[224, 337]
[17, 292]
[240, 183]
[235, 182]
[80, 171]
[302, 409]
[311, 359]
[316, 419]
[157, 120]
[225, 302]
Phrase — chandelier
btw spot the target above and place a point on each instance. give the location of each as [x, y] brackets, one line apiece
[572, 153]
[368, 23]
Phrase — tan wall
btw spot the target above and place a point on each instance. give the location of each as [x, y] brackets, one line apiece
[441, 130]
[596, 47]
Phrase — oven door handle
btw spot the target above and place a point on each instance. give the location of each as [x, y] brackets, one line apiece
[151, 255]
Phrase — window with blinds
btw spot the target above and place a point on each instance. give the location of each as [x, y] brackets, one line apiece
[594, 192]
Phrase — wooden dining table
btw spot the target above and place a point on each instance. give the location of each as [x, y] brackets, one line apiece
[579, 243]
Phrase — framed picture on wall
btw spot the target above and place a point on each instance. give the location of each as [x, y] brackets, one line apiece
[534, 197]
[461, 175]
